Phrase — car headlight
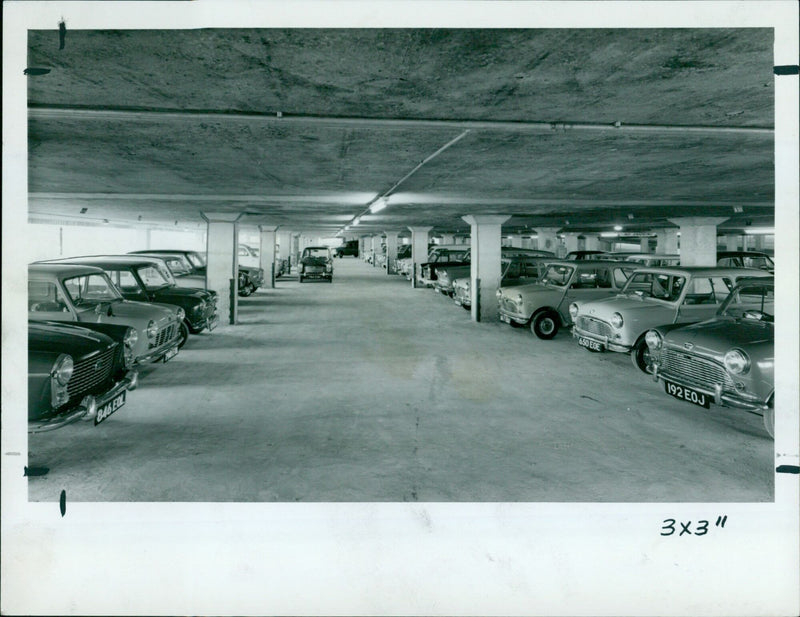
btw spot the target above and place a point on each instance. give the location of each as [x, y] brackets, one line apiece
[519, 298]
[152, 329]
[499, 293]
[199, 307]
[653, 340]
[616, 320]
[131, 337]
[62, 369]
[181, 314]
[573, 310]
[736, 362]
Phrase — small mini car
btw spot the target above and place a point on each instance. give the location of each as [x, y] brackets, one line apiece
[652, 297]
[728, 360]
[77, 372]
[85, 294]
[746, 259]
[316, 262]
[516, 270]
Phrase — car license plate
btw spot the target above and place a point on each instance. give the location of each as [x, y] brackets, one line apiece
[686, 394]
[505, 318]
[109, 408]
[590, 344]
[171, 354]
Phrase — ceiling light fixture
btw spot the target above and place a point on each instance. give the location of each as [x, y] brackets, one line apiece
[356, 221]
[608, 234]
[379, 205]
[738, 209]
[617, 227]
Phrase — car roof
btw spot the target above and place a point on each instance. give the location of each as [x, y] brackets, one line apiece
[707, 270]
[62, 269]
[721, 254]
[103, 261]
[595, 262]
[165, 251]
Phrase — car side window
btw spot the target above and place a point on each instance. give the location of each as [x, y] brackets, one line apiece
[707, 290]
[45, 297]
[125, 281]
[604, 278]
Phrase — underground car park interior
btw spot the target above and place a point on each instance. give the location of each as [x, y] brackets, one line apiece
[469, 267]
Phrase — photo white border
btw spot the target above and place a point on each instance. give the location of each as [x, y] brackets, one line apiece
[400, 558]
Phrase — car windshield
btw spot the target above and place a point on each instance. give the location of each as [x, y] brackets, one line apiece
[659, 286]
[758, 261]
[91, 290]
[177, 265]
[751, 301]
[196, 259]
[558, 275]
[317, 253]
[155, 277]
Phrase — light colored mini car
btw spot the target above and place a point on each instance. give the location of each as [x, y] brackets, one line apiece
[728, 360]
[77, 293]
[516, 270]
[544, 306]
[746, 259]
[652, 297]
[652, 260]
[316, 262]
[447, 273]
[248, 256]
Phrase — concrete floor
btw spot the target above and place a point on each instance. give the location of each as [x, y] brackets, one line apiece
[369, 390]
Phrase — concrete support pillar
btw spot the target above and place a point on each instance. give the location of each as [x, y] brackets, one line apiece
[266, 253]
[516, 241]
[698, 240]
[731, 242]
[758, 242]
[391, 251]
[284, 245]
[591, 243]
[448, 239]
[375, 245]
[572, 241]
[667, 241]
[546, 239]
[644, 244]
[222, 257]
[485, 269]
[419, 250]
[294, 251]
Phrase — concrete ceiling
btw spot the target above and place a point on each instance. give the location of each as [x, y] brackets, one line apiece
[578, 129]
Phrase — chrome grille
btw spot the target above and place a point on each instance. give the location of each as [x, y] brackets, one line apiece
[88, 373]
[694, 370]
[593, 326]
[508, 305]
[164, 335]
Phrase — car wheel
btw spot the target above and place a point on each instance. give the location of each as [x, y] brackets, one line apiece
[769, 418]
[545, 325]
[246, 291]
[184, 334]
[466, 307]
[640, 356]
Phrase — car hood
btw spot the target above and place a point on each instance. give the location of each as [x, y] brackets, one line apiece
[625, 305]
[140, 310]
[531, 289]
[63, 338]
[181, 294]
[717, 336]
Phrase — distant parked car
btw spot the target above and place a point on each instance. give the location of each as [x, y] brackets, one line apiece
[544, 306]
[316, 262]
[350, 247]
[652, 297]
[652, 260]
[516, 270]
[728, 360]
[446, 274]
[248, 256]
[745, 259]
[85, 294]
[573, 255]
[77, 372]
[147, 279]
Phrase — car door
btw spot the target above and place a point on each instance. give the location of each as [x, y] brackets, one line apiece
[702, 297]
[47, 302]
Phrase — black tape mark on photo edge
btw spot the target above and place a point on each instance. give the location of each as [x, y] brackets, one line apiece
[62, 503]
[787, 69]
[788, 469]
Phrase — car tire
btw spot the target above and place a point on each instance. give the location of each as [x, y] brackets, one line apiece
[184, 334]
[545, 325]
[246, 291]
[769, 418]
[640, 356]
[465, 307]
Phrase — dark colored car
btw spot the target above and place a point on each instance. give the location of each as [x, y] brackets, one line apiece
[77, 372]
[728, 360]
[189, 269]
[444, 274]
[148, 279]
[572, 255]
[745, 259]
[316, 262]
[348, 248]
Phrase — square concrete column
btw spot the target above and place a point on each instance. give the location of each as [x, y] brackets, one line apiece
[698, 240]
[391, 251]
[448, 239]
[644, 245]
[572, 241]
[222, 261]
[485, 270]
[667, 241]
[547, 239]
[419, 250]
[591, 243]
[731, 242]
[758, 242]
[284, 245]
[266, 253]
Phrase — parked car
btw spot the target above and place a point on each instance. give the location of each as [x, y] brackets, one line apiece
[652, 260]
[544, 306]
[516, 270]
[85, 294]
[316, 262]
[148, 279]
[189, 270]
[573, 255]
[446, 274]
[652, 297]
[77, 372]
[350, 247]
[438, 257]
[745, 259]
[728, 360]
[248, 256]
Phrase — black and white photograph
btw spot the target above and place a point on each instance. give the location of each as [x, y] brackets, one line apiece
[405, 307]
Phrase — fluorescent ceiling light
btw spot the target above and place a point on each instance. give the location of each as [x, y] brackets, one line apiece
[356, 221]
[378, 205]
[759, 231]
[617, 227]
[608, 234]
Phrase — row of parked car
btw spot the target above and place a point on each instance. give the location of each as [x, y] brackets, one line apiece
[93, 320]
[706, 333]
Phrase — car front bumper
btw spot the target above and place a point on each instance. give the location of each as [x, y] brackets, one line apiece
[512, 316]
